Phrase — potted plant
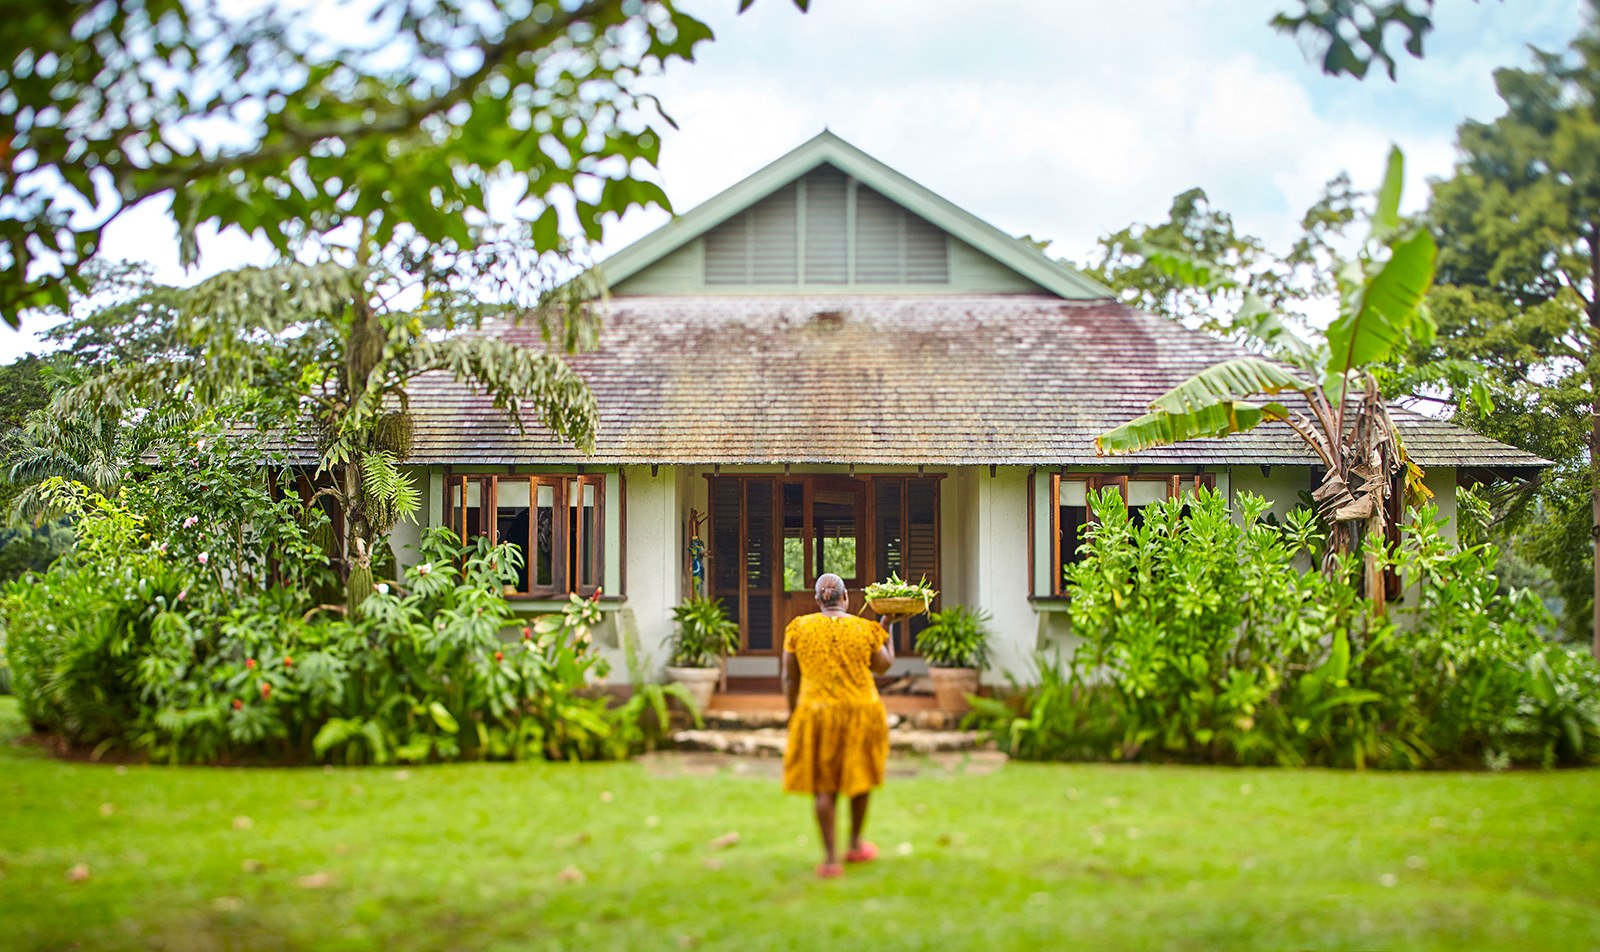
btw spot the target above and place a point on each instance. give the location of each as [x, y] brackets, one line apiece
[702, 637]
[956, 646]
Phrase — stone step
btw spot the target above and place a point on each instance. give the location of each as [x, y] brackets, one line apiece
[770, 741]
[724, 719]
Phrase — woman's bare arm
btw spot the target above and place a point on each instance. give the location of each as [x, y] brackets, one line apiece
[791, 679]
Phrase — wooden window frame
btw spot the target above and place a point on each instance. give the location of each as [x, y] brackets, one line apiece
[569, 557]
[1176, 485]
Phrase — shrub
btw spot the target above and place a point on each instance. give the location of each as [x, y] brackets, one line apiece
[141, 640]
[1210, 638]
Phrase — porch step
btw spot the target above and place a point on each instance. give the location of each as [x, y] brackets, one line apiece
[770, 741]
[721, 718]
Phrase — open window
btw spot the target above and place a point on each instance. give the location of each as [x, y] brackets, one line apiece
[557, 523]
[1070, 516]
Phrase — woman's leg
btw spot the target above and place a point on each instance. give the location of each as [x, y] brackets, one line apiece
[827, 804]
[858, 818]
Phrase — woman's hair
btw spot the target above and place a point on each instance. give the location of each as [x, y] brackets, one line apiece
[831, 590]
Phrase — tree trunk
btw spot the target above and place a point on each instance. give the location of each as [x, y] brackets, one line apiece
[364, 349]
[1371, 573]
[1594, 426]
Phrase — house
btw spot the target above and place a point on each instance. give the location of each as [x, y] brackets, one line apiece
[827, 367]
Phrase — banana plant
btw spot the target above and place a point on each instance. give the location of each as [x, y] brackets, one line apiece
[1341, 415]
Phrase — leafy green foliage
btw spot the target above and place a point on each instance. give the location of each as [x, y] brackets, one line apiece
[1381, 294]
[1519, 226]
[1354, 34]
[1205, 638]
[702, 633]
[253, 119]
[896, 587]
[180, 628]
[956, 637]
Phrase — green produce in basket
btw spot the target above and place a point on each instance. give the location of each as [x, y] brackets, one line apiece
[897, 587]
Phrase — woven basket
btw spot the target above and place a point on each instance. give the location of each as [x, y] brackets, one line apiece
[899, 606]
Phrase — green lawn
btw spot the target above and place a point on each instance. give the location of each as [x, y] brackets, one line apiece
[1028, 856]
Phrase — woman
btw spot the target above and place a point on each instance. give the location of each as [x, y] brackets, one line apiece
[838, 728]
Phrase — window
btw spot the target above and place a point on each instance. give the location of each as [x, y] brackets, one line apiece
[1070, 515]
[556, 522]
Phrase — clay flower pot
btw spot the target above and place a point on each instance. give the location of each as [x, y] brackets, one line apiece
[951, 687]
[701, 683]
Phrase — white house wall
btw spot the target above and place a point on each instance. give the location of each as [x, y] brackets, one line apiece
[1282, 485]
[999, 551]
[651, 548]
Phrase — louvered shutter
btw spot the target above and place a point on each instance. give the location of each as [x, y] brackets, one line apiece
[758, 564]
[725, 511]
[827, 237]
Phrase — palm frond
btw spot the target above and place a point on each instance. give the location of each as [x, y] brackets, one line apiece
[521, 381]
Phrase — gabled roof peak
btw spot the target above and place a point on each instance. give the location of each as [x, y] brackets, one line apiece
[827, 148]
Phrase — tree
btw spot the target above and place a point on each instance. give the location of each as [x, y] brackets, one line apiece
[1354, 34]
[1179, 268]
[320, 352]
[1519, 294]
[1346, 422]
[1196, 264]
[262, 120]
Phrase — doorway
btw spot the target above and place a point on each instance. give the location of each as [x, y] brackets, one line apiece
[772, 536]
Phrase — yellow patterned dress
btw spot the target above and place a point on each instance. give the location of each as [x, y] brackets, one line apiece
[839, 731]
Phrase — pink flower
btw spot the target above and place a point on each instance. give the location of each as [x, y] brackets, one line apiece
[162, 548]
[190, 522]
[203, 558]
[183, 594]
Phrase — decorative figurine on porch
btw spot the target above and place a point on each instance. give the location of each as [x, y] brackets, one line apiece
[697, 555]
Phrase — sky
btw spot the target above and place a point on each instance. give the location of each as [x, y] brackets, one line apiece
[1060, 119]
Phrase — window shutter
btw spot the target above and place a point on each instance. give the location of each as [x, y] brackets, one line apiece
[921, 556]
[775, 239]
[759, 551]
[894, 246]
[725, 544]
[827, 240]
[728, 252]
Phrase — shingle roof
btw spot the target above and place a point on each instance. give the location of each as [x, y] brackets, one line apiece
[902, 379]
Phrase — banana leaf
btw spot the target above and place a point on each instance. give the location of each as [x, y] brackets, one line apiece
[1386, 311]
[1161, 428]
[1231, 380]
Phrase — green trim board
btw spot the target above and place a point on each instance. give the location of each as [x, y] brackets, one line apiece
[828, 149]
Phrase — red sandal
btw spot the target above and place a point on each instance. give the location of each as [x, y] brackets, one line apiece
[865, 854]
[830, 871]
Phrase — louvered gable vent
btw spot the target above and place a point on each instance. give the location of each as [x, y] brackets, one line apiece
[826, 229]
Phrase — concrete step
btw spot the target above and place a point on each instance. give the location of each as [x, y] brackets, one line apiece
[769, 741]
[720, 718]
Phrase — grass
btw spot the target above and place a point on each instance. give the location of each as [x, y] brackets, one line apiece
[472, 857]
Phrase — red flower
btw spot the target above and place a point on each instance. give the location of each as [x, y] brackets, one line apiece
[266, 690]
[250, 663]
[287, 661]
[499, 657]
[527, 633]
[596, 596]
[238, 705]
